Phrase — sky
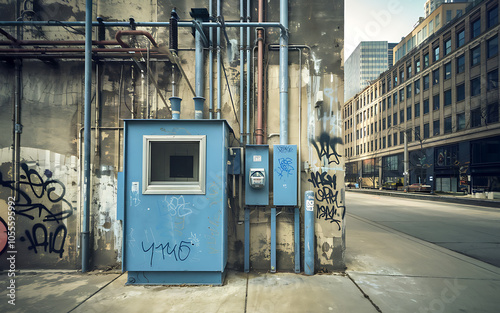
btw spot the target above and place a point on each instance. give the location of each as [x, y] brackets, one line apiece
[379, 20]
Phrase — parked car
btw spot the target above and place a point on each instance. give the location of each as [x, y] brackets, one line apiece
[417, 187]
[390, 185]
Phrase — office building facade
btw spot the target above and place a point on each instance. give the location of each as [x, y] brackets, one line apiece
[441, 98]
[369, 59]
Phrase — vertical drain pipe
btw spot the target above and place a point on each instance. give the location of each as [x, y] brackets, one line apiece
[199, 77]
[242, 73]
[211, 65]
[86, 158]
[218, 62]
[259, 131]
[284, 73]
[16, 114]
[248, 75]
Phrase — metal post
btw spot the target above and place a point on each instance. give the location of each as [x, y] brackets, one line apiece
[242, 74]
[273, 240]
[284, 73]
[248, 75]
[247, 240]
[297, 239]
[87, 122]
[309, 233]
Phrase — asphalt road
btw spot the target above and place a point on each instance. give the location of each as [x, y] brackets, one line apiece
[470, 230]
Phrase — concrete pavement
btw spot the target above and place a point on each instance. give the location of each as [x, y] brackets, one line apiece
[387, 271]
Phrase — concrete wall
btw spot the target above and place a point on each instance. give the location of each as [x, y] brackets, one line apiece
[49, 210]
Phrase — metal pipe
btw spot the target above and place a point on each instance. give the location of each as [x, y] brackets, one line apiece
[121, 33]
[58, 42]
[199, 65]
[219, 79]
[296, 234]
[143, 24]
[284, 73]
[309, 233]
[246, 257]
[259, 131]
[88, 90]
[75, 50]
[242, 73]
[148, 110]
[175, 102]
[248, 74]
[211, 65]
[273, 240]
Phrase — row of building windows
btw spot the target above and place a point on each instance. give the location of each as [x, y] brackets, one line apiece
[478, 117]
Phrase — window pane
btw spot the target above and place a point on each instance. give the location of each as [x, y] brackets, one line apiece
[493, 80]
[476, 28]
[492, 47]
[447, 70]
[475, 87]
[476, 55]
[460, 92]
[435, 128]
[435, 102]
[447, 125]
[447, 97]
[460, 38]
[461, 121]
[461, 64]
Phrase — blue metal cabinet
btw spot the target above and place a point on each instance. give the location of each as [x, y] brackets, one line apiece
[175, 233]
[285, 175]
[257, 163]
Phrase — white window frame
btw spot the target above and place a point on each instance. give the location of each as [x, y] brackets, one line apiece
[175, 187]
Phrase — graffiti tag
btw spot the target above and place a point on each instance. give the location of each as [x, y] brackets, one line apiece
[180, 252]
[52, 242]
[325, 147]
[285, 166]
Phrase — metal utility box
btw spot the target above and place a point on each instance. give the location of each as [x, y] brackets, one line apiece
[257, 175]
[174, 202]
[285, 175]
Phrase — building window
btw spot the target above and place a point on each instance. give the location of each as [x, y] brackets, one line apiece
[426, 60]
[435, 77]
[435, 128]
[461, 121]
[460, 92]
[401, 95]
[493, 16]
[460, 38]
[174, 164]
[401, 138]
[435, 102]
[426, 131]
[492, 47]
[401, 116]
[475, 55]
[475, 28]
[417, 66]
[395, 74]
[383, 105]
[417, 132]
[475, 117]
[395, 98]
[493, 80]
[461, 64]
[447, 71]
[389, 141]
[401, 75]
[408, 91]
[447, 125]
[492, 116]
[475, 87]
[376, 126]
[426, 106]
[447, 97]
[426, 82]
[459, 13]
[408, 70]
[448, 16]
[447, 46]
[435, 54]
[389, 101]
[417, 86]
[383, 123]
[408, 113]
[383, 143]
[417, 110]
[389, 122]
[376, 143]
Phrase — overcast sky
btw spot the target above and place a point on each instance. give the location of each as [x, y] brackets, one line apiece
[379, 20]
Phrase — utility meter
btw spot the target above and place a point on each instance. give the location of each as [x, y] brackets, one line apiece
[257, 178]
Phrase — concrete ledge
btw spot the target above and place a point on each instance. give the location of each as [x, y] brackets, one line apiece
[429, 197]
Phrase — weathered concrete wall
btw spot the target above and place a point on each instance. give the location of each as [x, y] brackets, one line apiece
[48, 232]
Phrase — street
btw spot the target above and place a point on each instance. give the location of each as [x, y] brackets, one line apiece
[471, 230]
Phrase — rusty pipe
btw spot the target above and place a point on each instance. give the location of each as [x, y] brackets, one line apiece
[121, 33]
[49, 50]
[58, 43]
[12, 39]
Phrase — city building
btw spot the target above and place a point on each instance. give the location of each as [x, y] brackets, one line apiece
[431, 5]
[367, 61]
[440, 102]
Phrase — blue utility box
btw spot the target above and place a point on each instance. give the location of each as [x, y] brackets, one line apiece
[257, 175]
[285, 175]
[174, 204]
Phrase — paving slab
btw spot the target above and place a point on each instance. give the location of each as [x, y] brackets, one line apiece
[117, 297]
[401, 273]
[286, 292]
[48, 291]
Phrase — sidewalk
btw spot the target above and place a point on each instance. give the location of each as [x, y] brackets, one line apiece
[387, 272]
